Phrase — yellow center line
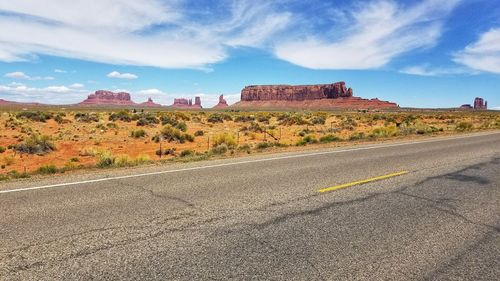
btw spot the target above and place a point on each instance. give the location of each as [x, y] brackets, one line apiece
[362, 181]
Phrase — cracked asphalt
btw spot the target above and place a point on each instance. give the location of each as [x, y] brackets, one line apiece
[267, 221]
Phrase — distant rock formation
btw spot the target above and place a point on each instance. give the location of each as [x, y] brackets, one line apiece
[222, 102]
[322, 96]
[150, 103]
[466, 106]
[479, 103]
[15, 103]
[103, 97]
[187, 103]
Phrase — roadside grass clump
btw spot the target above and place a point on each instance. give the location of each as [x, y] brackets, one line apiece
[246, 147]
[3, 177]
[187, 153]
[226, 139]
[167, 151]
[384, 132]
[219, 149]
[2, 149]
[199, 133]
[123, 115]
[36, 144]
[127, 161]
[328, 138]
[47, 169]
[306, 140]
[105, 159]
[17, 175]
[263, 145]
[356, 136]
[86, 117]
[463, 127]
[37, 116]
[136, 134]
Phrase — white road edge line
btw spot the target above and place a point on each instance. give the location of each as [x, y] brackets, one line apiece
[238, 163]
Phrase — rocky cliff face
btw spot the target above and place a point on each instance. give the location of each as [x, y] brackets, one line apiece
[295, 93]
[222, 102]
[187, 103]
[150, 103]
[103, 97]
[322, 96]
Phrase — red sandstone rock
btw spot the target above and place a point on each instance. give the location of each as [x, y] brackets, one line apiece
[479, 103]
[102, 97]
[222, 102]
[323, 96]
[150, 103]
[187, 103]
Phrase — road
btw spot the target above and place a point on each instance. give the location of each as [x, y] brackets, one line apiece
[263, 218]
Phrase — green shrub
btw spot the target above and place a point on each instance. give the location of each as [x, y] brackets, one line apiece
[181, 126]
[167, 119]
[16, 175]
[328, 138]
[2, 149]
[244, 118]
[320, 120]
[123, 115]
[263, 145]
[87, 117]
[138, 134]
[220, 149]
[463, 126]
[219, 118]
[36, 144]
[170, 134]
[307, 140]
[37, 116]
[146, 119]
[187, 152]
[199, 133]
[105, 159]
[357, 136]
[384, 132]
[225, 138]
[47, 169]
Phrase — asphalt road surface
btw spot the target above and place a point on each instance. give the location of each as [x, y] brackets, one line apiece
[263, 218]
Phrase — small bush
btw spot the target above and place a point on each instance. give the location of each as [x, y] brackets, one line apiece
[225, 138]
[307, 140]
[36, 144]
[86, 117]
[167, 119]
[138, 134]
[263, 145]
[187, 152]
[384, 132]
[328, 138]
[181, 126]
[219, 118]
[123, 115]
[105, 159]
[2, 149]
[244, 118]
[220, 149]
[16, 175]
[463, 126]
[37, 116]
[170, 134]
[47, 169]
[319, 120]
[199, 133]
[357, 136]
[147, 120]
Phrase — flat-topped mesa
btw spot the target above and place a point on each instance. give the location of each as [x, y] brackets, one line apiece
[222, 102]
[108, 97]
[187, 103]
[295, 93]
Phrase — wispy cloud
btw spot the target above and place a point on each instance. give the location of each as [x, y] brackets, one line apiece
[376, 33]
[22, 75]
[424, 70]
[116, 74]
[23, 93]
[59, 70]
[77, 86]
[484, 54]
[167, 34]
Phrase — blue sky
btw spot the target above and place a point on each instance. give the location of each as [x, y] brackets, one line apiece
[429, 53]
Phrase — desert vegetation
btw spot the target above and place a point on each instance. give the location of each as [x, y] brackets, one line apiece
[48, 142]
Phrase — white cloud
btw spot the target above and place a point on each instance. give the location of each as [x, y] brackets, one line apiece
[23, 93]
[167, 34]
[22, 75]
[484, 54]
[17, 75]
[116, 74]
[77, 86]
[377, 32]
[59, 70]
[424, 70]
